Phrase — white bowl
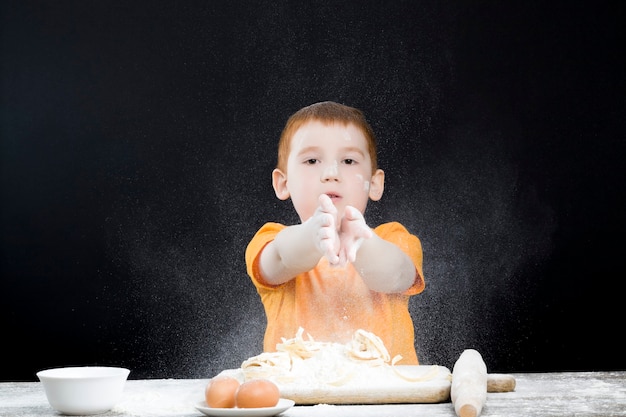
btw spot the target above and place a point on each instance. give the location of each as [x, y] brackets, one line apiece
[83, 390]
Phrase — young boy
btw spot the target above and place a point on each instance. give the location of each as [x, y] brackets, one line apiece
[331, 274]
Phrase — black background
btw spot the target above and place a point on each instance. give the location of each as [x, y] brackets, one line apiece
[138, 140]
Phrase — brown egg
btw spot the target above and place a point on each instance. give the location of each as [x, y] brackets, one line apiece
[220, 392]
[257, 393]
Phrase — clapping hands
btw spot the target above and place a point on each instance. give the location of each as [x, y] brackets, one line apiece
[339, 238]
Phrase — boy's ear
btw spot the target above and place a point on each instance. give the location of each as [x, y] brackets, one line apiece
[279, 182]
[377, 185]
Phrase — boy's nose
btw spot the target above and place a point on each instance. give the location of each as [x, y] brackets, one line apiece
[330, 172]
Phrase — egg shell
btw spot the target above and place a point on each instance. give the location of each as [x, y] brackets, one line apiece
[257, 393]
[220, 392]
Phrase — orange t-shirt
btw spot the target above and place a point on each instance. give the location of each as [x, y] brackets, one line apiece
[330, 303]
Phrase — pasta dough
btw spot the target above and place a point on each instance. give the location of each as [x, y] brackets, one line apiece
[303, 361]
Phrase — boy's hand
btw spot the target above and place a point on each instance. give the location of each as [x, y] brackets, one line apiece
[352, 232]
[325, 218]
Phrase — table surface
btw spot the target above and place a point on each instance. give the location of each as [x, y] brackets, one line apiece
[536, 394]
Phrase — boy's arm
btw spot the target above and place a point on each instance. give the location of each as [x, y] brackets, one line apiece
[384, 266]
[298, 248]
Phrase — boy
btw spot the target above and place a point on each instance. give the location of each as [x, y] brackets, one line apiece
[331, 274]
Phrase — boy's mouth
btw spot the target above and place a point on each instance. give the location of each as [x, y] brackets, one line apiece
[333, 196]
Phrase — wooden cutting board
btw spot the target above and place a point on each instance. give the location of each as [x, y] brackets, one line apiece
[379, 390]
[384, 388]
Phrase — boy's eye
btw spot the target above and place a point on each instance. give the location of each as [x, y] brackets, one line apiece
[311, 161]
[349, 161]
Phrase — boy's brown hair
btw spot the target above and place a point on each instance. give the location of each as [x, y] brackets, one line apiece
[327, 112]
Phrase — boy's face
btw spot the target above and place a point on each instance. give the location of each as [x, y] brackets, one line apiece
[328, 159]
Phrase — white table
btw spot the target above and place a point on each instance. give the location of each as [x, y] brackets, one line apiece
[541, 394]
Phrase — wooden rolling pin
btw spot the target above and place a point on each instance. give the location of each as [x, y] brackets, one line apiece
[469, 384]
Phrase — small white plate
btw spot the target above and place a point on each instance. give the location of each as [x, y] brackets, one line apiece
[283, 404]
